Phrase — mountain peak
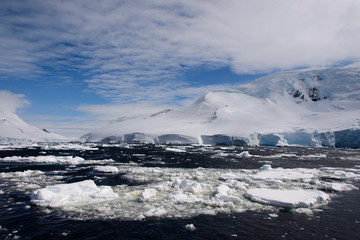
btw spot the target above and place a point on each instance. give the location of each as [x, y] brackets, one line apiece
[13, 128]
[302, 107]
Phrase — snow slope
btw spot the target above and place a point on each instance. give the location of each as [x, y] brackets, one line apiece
[310, 107]
[12, 128]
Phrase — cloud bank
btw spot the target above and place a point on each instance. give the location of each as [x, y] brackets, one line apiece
[11, 102]
[138, 50]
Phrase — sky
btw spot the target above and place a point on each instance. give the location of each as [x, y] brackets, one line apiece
[72, 66]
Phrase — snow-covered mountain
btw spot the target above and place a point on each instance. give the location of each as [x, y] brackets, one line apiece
[313, 107]
[12, 128]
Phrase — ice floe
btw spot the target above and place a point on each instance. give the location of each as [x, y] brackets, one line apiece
[336, 186]
[106, 169]
[148, 194]
[266, 172]
[44, 159]
[78, 193]
[288, 198]
[171, 149]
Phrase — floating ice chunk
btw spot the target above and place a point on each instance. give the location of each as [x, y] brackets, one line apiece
[338, 187]
[169, 149]
[106, 169]
[288, 198]
[148, 194]
[190, 227]
[44, 159]
[69, 146]
[163, 186]
[32, 186]
[318, 155]
[188, 186]
[179, 197]
[155, 212]
[24, 174]
[79, 193]
[223, 192]
[305, 211]
[228, 175]
[273, 215]
[227, 198]
[244, 154]
[223, 189]
[266, 167]
[285, 174]
[236, 184]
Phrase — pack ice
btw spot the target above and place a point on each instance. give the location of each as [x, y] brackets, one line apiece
[313, 107]
[184, 193]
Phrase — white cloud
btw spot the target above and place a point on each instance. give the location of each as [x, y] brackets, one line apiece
[128, 46]
[11, 102]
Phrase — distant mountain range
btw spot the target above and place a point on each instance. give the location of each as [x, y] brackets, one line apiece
[312, 107]
[12, 128]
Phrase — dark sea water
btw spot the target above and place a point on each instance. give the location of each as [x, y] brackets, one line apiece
[340, 219]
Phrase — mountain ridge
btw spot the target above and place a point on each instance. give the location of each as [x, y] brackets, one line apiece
[301, 107]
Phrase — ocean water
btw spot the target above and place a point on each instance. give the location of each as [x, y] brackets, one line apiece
[142, 166]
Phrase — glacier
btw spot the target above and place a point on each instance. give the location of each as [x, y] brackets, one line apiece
[310, 107]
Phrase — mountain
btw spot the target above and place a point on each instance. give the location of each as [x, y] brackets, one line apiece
[312, 107]
[13, 128]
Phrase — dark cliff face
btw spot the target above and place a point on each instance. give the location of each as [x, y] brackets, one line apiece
[308, 90]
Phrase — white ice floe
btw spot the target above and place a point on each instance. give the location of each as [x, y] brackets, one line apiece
[149, 194]
[190, 227]
[155, 212]
[22, 174]
[171, 149]
[244, 154]
[266, 167]
[106, 169]
[336, 186]
[68, 146]
[266, 172]
[78, 193]
[179, 197]
[188, 186]
[44, 159]
[288, 198]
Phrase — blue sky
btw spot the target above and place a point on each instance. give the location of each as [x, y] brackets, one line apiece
[71, 66]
